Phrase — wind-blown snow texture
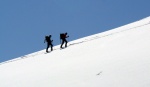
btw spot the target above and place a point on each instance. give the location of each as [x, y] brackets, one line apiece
[115, 58]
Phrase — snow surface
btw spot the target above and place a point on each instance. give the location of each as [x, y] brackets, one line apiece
[116, 58]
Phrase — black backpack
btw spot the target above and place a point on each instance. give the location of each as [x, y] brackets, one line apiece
[61, 35]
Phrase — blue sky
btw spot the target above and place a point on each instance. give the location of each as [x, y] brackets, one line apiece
[24, 23]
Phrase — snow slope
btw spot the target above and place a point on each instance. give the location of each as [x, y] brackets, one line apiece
[116, 58]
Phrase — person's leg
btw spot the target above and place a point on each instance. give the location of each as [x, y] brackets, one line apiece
[66, 42]
[47, 47]
[62, 43]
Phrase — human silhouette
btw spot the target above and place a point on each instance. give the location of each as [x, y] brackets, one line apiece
[63, 38]
[49, 42]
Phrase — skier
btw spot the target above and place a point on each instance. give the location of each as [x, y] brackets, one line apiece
[49, 42]
[63, 37]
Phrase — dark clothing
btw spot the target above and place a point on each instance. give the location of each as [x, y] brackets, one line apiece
[49, 42]
[47, 39]
[63, 38]
[51, 45]
[64, 41]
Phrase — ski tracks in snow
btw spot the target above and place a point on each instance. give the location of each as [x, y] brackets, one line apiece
[90, 38]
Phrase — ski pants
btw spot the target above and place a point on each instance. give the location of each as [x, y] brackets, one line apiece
[64, 41]
[49, 44]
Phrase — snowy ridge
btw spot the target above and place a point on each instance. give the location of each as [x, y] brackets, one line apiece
[137, 24]
[115, 58]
